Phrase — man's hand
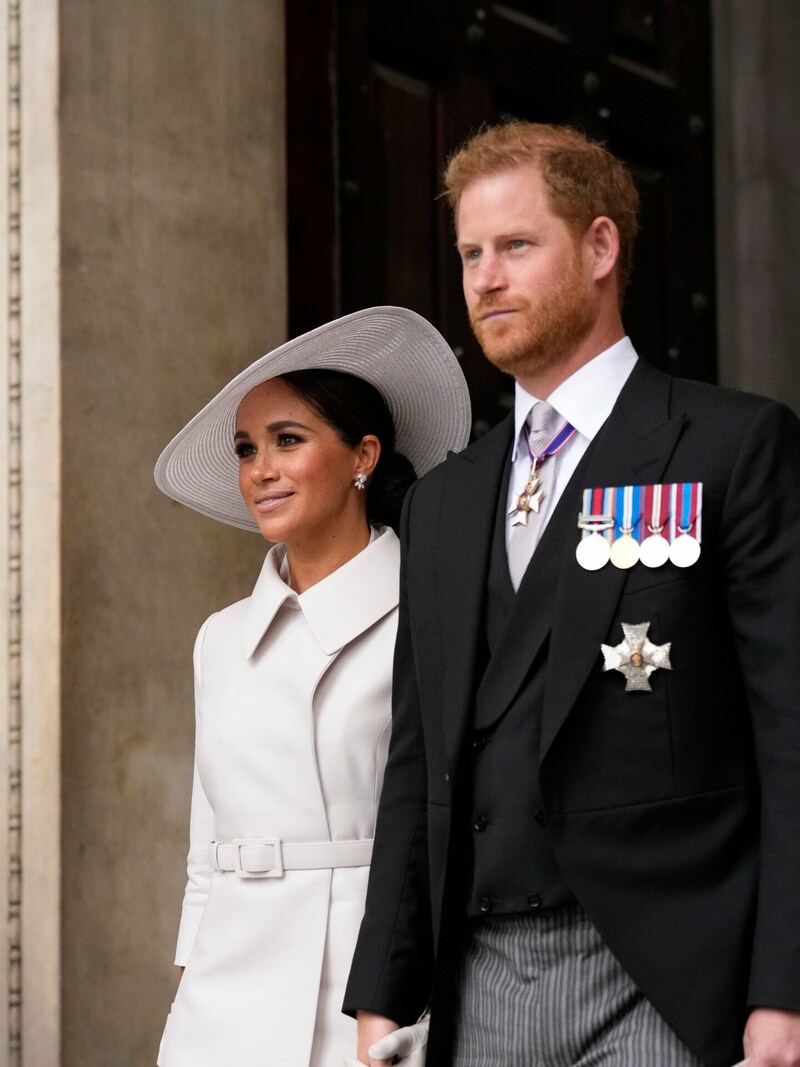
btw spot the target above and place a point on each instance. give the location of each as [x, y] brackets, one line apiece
[406, 1045]
[772, 1038]
[372, 1028]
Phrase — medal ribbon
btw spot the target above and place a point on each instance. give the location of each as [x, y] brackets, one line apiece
[597, 514]
[689, 506]
[656, 507]
[564, 435]
[557, 442]
[671, 508]
[627, 509]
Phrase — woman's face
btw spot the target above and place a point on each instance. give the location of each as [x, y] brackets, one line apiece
[295, 473]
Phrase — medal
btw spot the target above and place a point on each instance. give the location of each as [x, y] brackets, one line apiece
[530, 499]
[532, 495]
[636, 657]
[625, 549]
[684, 550]
[594, 550]
[654, 549]
[672, 515]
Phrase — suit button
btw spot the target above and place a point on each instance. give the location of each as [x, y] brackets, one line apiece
[479, 742]
[480, 824]
[534, 901]
[539, 817]
[485, 904]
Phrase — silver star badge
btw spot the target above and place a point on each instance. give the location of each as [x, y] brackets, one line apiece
[636, 657]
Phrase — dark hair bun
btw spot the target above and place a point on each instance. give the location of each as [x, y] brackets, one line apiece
[391, 480]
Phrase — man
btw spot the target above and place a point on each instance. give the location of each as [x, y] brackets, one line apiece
[587, 848]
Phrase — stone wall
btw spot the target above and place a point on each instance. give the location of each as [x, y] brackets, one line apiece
[172, 256]
[757, 110]
[142, 224]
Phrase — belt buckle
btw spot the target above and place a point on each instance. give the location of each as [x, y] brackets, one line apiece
[259, 842]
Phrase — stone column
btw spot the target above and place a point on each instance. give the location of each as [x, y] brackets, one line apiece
[29, 534]
[757, 110]
[143, 232]
[173, 259]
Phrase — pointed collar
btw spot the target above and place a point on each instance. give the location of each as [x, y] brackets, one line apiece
[586, 398]
[337, 609]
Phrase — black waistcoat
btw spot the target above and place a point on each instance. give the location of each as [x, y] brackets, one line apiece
[512, 868]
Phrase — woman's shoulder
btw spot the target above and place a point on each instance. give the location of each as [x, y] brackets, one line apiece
[220, 625]
[231, 619]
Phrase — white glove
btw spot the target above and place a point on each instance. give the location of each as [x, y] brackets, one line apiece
[407, 1044]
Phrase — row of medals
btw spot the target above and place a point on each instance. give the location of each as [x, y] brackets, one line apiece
[594, 551]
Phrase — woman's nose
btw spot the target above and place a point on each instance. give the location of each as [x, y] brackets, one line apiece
[262, 469]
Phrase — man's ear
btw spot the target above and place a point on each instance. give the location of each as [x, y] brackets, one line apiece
[602, 242]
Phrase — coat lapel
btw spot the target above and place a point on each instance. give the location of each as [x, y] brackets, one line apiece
[356, 596]
[633, 448]
[468, 506]
[557, 598]
[338, 608]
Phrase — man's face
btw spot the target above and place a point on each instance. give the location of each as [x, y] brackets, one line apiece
[527, 278]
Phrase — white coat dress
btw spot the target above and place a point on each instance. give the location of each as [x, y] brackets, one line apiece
[293, 723]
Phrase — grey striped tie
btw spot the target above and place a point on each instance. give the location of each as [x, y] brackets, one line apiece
[544, 421]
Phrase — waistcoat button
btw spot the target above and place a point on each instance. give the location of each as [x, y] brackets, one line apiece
[485, 904]
[534, 901]
[480, 824]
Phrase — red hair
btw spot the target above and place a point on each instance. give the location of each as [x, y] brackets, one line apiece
[583, 179]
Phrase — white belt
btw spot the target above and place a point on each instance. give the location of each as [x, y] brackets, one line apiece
[269, 857]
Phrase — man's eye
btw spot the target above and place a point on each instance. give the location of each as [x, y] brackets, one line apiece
[517, 243]
[244, 449]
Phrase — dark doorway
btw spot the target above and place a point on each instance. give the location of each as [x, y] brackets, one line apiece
[379, 94]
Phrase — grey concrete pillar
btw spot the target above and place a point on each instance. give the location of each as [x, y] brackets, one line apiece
[142, 224]
[757, 117]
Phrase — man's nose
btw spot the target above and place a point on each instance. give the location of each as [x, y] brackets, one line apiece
[488, 274]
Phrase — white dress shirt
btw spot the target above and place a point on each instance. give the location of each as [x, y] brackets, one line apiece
[585, 401]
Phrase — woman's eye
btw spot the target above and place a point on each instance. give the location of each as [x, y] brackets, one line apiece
[287, 439]
[243, 449]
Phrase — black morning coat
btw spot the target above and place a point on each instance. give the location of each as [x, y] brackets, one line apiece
[674, 815]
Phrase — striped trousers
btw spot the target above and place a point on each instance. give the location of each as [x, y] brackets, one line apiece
[544, 991]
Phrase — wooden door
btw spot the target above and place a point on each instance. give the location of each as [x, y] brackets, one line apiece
[381, 92]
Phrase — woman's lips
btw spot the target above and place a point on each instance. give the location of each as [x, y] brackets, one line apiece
[271, 502]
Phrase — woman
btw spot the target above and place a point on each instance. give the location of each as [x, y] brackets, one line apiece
[312, 446]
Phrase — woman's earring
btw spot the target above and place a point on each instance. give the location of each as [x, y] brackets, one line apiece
[361, 481]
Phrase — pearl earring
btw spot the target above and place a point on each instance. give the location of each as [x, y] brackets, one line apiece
[361, 480]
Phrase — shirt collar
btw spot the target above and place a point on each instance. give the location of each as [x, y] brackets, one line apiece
[337, 609]
[586, 398]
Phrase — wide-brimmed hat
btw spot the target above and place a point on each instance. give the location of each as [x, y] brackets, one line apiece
[394, 349]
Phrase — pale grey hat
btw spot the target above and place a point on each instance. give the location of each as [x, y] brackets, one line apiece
[394, 349]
